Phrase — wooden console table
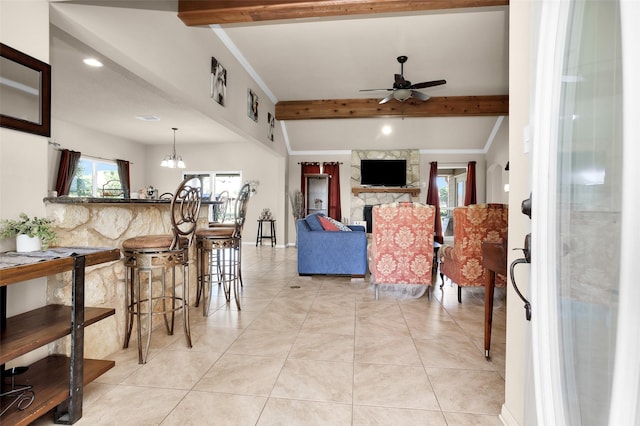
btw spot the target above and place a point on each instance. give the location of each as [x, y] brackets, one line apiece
[57, 380]
[399, 190]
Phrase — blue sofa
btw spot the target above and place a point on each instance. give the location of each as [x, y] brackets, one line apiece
[330, 252]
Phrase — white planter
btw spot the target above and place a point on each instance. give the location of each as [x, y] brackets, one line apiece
[25, 243]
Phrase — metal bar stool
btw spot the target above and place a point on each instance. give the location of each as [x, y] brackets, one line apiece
[219, 255]
[147, 254]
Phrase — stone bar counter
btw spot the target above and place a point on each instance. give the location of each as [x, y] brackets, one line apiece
[107, 222]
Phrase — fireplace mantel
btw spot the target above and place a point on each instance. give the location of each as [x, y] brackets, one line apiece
[387, 189]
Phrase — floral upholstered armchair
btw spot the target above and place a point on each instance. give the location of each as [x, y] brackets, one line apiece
[401, 249]
[462, 262]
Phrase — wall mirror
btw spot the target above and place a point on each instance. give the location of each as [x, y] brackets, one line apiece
[25, 90]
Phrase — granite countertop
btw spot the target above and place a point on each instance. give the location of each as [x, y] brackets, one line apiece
[98, 200]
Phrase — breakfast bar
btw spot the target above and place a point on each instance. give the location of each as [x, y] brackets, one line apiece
[107, 222]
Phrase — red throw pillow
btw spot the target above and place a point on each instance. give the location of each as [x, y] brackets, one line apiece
[327, 225]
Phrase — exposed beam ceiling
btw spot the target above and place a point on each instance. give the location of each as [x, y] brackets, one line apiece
[205, 12]
[452, 106]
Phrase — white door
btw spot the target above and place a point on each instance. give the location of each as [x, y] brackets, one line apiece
[586, 214]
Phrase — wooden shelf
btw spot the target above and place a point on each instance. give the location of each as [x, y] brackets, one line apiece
[50, 380]
[57, 380]
[33, 329]
[401, 190]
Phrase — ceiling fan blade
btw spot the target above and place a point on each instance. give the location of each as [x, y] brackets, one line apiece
[375, 90]
[387, 99]
[428, 84]
[420, 95]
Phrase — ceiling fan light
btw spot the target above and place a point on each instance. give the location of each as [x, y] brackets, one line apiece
[402, 94]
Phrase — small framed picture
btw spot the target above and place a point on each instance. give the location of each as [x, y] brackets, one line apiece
[218, 81]
[271, 123]
[252, 105]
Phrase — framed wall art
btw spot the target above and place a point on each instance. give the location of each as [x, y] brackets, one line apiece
[252, 105]
[271, 123]
[218, 81]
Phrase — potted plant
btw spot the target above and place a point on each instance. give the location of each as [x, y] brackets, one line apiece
[32, 234]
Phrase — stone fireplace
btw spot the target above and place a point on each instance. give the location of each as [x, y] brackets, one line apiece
[361, 198]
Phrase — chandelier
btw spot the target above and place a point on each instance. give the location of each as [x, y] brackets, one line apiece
[173, 161]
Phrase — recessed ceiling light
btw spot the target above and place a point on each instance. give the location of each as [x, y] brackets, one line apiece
[147, 117]
[386, 130]
[92, 62]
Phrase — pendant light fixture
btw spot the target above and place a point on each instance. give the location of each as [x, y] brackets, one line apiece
[173, 161]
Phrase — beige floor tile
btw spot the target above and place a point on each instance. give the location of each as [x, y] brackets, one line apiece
[334, 323]
[273, 343]
[173, 369]
[140, 406]
[455, 354]
[315, 381]
[293, 412]
[364, 415]
[462, 419]
[468, 391]
[393, 386]
[242, 375]
[394, 349]
[311, 350]
[207, 338]
[205, 408]
[226, 317]
[278, 320]
[322, 347]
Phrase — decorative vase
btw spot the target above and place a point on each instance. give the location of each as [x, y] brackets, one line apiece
[25, 243]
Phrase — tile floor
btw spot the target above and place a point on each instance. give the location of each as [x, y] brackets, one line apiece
[312, 350]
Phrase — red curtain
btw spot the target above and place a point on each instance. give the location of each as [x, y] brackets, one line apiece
[470, 190]
[67, 169]
[125, 180]
[433, 199]
[333, 170]
[305, 169]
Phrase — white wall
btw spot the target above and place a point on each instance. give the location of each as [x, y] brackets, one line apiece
[519, 225]
[497, 158]
[23, 157]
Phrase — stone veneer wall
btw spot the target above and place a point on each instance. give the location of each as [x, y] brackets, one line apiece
[369, 198]
[105, 225]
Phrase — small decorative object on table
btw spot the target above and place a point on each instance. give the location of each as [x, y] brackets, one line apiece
[318, 203]
[31, 234]
[266, 215]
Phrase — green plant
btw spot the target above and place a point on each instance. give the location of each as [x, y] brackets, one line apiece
[36, 227]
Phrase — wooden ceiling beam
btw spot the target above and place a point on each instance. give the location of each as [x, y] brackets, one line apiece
[446, 106]
[206, 12]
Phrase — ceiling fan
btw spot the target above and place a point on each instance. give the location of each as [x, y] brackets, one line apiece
[403, 89]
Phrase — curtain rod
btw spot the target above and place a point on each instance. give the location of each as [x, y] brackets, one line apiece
[316, 162]
[56, 146]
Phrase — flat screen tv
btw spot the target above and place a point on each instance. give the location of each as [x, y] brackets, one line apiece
[383, 172]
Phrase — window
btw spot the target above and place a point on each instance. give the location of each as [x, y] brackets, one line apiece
[96, 178]
[451, 187]
[213, 183]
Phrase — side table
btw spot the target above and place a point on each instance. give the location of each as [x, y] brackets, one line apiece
[272, 234]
